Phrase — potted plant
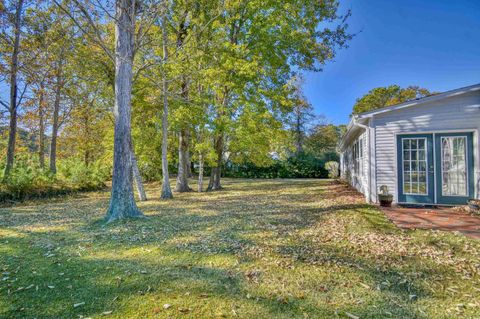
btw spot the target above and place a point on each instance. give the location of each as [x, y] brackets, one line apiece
[474, 204]
[384, 197]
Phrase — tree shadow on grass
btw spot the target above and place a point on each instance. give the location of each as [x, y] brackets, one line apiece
[126, 285]
[200, 246]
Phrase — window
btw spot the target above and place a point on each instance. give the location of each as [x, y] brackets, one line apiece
[454, 166]
[357, 151]
[414, 160]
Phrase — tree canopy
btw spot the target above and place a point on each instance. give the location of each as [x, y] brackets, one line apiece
[167, 86]
[389, 95]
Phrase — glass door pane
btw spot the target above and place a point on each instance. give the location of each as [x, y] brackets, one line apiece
[454, 166]
[414, 151]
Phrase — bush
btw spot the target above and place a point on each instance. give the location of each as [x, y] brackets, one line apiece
[332, 168]
[301, 166]
[82, 177]
[27, 180]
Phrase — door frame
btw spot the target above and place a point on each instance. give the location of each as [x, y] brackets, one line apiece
[413, 198]
[475, 155]
[470, 169]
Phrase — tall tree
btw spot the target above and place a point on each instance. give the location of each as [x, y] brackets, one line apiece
[302, 115]
[166, 190]
[13, 72]
[59, 84]
[384, 96]
[122, 201]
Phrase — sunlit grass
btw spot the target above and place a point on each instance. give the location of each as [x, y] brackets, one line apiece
[258, 249]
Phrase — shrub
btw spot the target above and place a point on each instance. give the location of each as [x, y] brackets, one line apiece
[300, 166]
[83, 177]
[28, 180]
[332, 168]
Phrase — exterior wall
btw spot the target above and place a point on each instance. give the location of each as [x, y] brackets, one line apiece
[458, 113]
[347, 164]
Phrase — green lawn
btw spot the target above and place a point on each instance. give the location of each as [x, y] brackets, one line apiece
[258, 249]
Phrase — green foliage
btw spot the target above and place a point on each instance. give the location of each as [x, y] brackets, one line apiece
[84, 177]
[385, 96]
[302, 165]
[28, 180]
[323, 139]
[332, 168]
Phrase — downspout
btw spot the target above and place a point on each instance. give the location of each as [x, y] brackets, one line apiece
[369, 156]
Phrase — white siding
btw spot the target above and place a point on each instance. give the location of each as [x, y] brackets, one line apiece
[455, 113]
[359, 181]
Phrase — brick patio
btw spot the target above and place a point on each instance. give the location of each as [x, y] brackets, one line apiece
[443, 218]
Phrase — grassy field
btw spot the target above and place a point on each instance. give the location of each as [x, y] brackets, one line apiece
[258, 249]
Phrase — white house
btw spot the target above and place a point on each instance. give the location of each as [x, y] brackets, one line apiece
[426, 151]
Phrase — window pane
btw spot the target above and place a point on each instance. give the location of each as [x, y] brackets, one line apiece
[422, 166]
[413, 144]
[414, 188]
[421, 155]
[421, 144]
[406, 188]
[413, 155]
[406, 177]
[414, 165]
[422, 177]
[406, 155]
[422, 188]
[406, 144]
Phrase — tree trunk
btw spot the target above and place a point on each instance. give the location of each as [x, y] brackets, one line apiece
[166, 190]
[200, 173]
[138, 179]
[12, 134]
[190, 164]
[183, 162]
[214, 183]
[122, 201]
[41, 126]
[56, 112]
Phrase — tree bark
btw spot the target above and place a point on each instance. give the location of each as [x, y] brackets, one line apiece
[56, 113]
[41, 127]
[138, 179]
[166, 190]
[183, 162]
[122, 201]
[184, 140]
[214, 183]
[200, 173]
[12, 134]
[190, 164]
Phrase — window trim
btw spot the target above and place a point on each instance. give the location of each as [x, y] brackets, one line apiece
[410, 161]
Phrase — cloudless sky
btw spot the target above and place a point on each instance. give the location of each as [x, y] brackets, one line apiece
[431, 43]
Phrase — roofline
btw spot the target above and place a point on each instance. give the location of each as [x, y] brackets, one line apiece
[352, 125]
[430, 98]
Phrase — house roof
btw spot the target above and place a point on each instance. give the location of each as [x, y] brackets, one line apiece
[422, 100]
[358, 121]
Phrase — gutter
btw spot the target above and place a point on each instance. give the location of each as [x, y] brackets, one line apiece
[353, 123]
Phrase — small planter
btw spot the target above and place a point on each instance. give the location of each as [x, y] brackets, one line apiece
[385, 200]
[474, 205]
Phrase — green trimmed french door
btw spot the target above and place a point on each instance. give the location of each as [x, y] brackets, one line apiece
[454, 168]
[416, 172]
[435, 168]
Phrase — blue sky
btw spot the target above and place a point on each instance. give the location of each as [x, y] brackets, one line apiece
[431, 43]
